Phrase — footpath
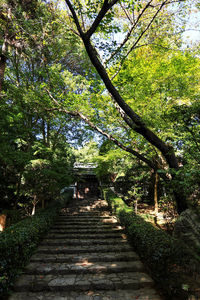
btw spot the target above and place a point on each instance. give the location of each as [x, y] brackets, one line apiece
[85, 256]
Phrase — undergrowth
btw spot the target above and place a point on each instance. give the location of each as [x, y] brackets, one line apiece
[18, 242]
[166, 258]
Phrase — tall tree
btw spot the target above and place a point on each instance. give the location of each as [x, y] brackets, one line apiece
[99, 15]
[33, 140]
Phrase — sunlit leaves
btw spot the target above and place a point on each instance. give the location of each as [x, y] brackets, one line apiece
[151, 81]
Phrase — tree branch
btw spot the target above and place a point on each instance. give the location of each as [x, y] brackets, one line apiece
[99, 130]
[75, 17]
[139, 125]
[129, 32]
[106, 6]
[127, 14]
[123, 115]
[147, 27]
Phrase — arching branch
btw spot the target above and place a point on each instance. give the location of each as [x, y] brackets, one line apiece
[74, 17]
[129, 32]
[105, 8]
[102, 132]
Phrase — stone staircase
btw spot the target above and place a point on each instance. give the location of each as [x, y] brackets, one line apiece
[85, 256]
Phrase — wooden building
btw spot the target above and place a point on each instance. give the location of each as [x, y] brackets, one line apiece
[87, 184]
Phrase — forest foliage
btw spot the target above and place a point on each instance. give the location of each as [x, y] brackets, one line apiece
[117, 68]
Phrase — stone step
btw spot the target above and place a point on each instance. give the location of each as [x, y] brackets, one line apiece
[87, 202]
[80, 217]
[140, 294]
[83, 268]
[71, 213]
[84, 249]
[85, 217]
[101, 211]
[83, 282]
[84, 202]
[89, 257]
[83, 226]
[84, 236]
[82, 242]
[84, 207]
[87, 208]
[86, 222]
[85, 256]
[89, 231]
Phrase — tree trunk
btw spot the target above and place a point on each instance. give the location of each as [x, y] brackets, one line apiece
[43, 203]
[18, 191]
[2, 69]
[156, 193]
[33, 210]
[43, 132]
[180, 200]
[138, 124]
[34, 206]
[48, 133]
[135, 121]
[132, 119]
[2, 222]
[136, 206]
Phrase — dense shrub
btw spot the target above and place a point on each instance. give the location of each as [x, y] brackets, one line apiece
[115, 203]
[12, 216]
[66, 196]
[18, 242]
[167, 259]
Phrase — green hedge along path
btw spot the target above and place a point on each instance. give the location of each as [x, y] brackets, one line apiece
[19, 241]
[168, 259]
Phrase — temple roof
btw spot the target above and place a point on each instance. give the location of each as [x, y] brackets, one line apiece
[84, 168]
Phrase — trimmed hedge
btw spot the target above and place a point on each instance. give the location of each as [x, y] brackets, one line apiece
[18, 242]
[167, 259]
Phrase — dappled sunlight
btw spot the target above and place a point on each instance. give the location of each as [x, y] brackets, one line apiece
[84, 263]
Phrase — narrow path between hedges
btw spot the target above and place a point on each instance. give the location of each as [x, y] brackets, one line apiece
[85, 256]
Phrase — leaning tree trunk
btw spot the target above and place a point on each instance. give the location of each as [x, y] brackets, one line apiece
[43, 203]
[156, 193]
[137, 124]
[2, 69]
[132, 119]
[18, 191]
[34, 205]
